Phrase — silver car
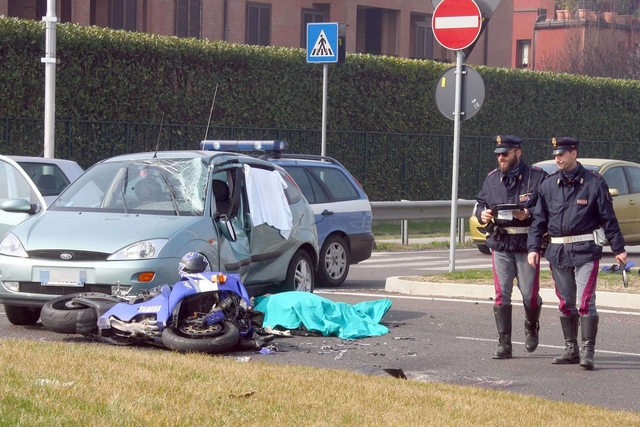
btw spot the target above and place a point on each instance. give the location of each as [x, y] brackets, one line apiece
[126, 222]
[36, 179]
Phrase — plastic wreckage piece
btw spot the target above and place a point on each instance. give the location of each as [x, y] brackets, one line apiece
[278, 332]
[267, 350]
[617, 269]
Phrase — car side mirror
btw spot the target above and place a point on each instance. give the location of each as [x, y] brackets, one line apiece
[20, 206]
[226, 228]
[613, 192]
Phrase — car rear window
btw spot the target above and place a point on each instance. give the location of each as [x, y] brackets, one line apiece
[48, 177]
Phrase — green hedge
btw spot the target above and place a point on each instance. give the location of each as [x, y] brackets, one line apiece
[135, 77]
[119, 76]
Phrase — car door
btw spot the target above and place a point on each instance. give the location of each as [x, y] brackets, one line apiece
[623, 203]
[234, 257]
[16, 184]
[342, 208]
[632, 235]
[272, 223]
[317, 198]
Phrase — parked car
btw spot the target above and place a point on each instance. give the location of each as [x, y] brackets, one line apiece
[126, 222]
[36, 179]
[341, 207]
[623, 179]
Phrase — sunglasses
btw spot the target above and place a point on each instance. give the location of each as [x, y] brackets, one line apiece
[505, 154]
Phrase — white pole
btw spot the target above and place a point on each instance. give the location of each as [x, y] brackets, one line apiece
[50, 80]
[325, 84]
[456, 155]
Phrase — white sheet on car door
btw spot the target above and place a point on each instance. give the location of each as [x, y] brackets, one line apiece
[267, 201]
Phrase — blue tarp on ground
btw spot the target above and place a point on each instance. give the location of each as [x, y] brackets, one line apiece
[291, 310]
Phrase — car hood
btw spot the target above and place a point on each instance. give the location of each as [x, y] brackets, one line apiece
[98, 232]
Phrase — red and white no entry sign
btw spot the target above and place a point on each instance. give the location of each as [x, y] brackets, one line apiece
[456, 23]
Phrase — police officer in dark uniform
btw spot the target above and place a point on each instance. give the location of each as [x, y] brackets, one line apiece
[513, 183]
[574, 203]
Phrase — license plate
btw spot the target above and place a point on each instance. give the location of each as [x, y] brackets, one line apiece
[63, 277]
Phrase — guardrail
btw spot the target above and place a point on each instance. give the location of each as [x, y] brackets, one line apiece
[406, 210]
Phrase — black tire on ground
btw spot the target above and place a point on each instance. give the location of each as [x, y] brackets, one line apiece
[227, 340]
[22, 316]
[484, 249]
[58, 315]
[334, 262]
[300, 274]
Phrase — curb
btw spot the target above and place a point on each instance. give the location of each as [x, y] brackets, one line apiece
[457, 290]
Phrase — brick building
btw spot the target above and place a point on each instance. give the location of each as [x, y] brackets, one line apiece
[518, 32]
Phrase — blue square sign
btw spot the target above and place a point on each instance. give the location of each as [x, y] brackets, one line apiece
[322, 42]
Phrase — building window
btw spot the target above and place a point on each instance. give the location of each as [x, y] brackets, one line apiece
[188, 18]
[259, 24]
[123, 14]
[423, 41]
[309, 16]
[522, 54]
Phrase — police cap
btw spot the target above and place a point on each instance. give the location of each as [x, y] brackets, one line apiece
[505, 143]
[564, 143]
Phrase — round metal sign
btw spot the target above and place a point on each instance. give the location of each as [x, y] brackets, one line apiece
[472, 93]
[456, 23]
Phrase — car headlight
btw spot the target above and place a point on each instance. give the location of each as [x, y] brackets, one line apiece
[12, 246]
[142, 250]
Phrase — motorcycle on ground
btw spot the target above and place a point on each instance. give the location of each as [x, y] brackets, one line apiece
[208, 312]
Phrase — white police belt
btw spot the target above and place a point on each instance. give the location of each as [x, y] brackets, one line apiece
[515, 230]
[573, 239]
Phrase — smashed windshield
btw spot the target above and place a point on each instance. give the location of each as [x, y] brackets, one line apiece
[144, 186]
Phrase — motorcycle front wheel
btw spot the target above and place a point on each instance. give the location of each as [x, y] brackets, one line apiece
[65, 316]
[186, 340]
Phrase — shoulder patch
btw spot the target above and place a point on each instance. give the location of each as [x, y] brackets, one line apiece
[535, 168]
[492, 172]
[594, 173]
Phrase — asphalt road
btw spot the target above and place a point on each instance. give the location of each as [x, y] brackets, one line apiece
[451, 340]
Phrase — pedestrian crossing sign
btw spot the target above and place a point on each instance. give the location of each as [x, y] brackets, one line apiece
[322, 42]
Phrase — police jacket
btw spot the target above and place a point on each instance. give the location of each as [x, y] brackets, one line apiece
[572, 208]
[498, 188]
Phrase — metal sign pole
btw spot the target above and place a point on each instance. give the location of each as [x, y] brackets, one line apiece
[50, 80]
[325, 84]
[456, 155]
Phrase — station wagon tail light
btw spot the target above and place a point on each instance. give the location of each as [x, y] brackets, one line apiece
[147, 249]
[249, 145]
[147, 276]
[12, 246]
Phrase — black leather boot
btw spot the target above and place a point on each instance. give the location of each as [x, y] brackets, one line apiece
[589, 330]
[502, 313]
[531, 328]
[570, 330]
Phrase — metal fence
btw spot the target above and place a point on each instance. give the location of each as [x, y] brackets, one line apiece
[390, 166]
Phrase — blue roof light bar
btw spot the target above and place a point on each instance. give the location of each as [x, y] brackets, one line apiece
[226, 145]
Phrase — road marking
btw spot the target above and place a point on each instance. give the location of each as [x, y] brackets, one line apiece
[417, 258]
[472, 301]
[561, 347]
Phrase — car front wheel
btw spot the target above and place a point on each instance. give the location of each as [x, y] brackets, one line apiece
[334, 262]
[300, 273]
[22, 316]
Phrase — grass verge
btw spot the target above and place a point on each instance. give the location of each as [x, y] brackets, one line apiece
[77, 384]
[608, 282]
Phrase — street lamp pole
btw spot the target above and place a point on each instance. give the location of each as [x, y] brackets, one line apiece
[50, 62]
